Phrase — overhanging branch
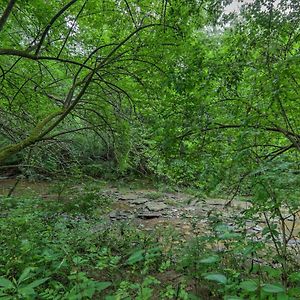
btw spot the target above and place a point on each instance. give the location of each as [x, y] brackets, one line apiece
[6, 13]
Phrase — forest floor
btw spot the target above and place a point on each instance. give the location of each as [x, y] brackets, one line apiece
[125, 223]
[148, 207]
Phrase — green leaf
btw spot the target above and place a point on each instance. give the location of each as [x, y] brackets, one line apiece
[89, 291]
[4, 297]
[154, 250]
[145, 294]
[136, 257]
[102, 285]
[7, 284]
[273, 289]
[192, 297]
[37, 282]
[294, 277]
[220, 278]
[111, 297]
[283, 297]
[210, 260]
[249, 285]
[26, 291]
[25, 275]
[294, 291]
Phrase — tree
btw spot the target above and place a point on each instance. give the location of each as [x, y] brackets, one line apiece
[236, 91]
[67, 68]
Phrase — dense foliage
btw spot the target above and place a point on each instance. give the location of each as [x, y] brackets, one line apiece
[179, 90]
[189, 93]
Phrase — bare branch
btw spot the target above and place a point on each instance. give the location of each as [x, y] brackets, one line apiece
[6, 13]
[45, 32]
[130, 13]
[72, 27]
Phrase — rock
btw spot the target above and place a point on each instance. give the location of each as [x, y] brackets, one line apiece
[189, 208]
[187, 216]
[109, 192]
[139, 201]
[100, 227]
[156, 206]
[294, 242]
[148, 215]
[120, 215]
[113, 214]
[193, 202]
[255, 229]
[128, 197]
[205, 209]
[217, 204]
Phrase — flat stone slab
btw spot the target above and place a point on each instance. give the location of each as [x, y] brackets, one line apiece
[120, 215]
[128, 197]
[148, 215]
[139, 201]
[156, 206]
[294, 242]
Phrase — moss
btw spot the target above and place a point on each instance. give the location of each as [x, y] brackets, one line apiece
[35, 135]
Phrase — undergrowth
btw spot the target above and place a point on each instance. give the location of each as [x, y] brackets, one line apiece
[67, 248]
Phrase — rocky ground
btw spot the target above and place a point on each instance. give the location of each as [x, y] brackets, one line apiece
[189, 214]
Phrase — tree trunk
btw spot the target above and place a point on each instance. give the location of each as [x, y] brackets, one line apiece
[36, 134]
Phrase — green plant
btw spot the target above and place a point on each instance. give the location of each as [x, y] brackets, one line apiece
[83, 287]
[140, 291]
[21, 288]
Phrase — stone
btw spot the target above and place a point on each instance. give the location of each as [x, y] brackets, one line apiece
[217, 204]
[148, 215]
[139, 201]
[189, 208]
[113, 215]
[156, 206]
[194, 202]
[120, 215]
[289, 218]
[126, 197]
[294, 242]
[255, 229]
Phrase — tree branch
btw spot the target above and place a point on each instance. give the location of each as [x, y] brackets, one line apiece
[6, 13]
[45, 32]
